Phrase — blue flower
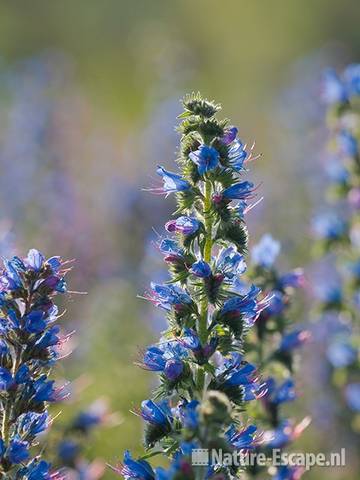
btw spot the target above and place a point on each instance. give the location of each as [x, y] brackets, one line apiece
[87, 420]
[11, 279]
[352, 78]
[237, 155]
[278, 394]
[6, 379]
[341, 354]
[347, 143]
[35, 321]
[156, 413]
[183, 225]
[171, 249]
[189, 414]
[206, 158]
[68, 450]
[45, 391]
[33, 423]
[17, 451]
[285, 433]
[334, 90]
[245, 306]
[191, 341]
[330, 293]
[230, 263]
[294, 279]
[4, 349]
[201, 269]
[238, 373]
[328, 226]
[49, 338]
[40, 470]
[172, 181]
[352, 395]
[167, 359]
[54, 263]
[286, 472]
[132, 469]
[266, 251]
[22, 375]
[168, 296]
[277, 303]
[294, 340]
[239, 191]
[337, 172]
[243, 439]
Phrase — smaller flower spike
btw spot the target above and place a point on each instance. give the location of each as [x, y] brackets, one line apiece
[29, 348]
[336, 231]
[204, 382]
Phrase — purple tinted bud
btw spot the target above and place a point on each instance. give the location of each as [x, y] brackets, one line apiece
[229, 135]
[51, 282]
[35, 259]
[184, 225]
[173, 369]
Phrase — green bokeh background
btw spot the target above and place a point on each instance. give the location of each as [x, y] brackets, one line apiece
[128, 56]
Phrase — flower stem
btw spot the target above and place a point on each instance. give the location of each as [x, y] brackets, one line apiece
[204, 307]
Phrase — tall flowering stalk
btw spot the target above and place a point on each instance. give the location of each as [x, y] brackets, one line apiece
[204, 379]
[338, 235]
[273, 342]
[29, 348]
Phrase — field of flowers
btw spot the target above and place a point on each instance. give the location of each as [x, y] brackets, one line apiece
[180, 276]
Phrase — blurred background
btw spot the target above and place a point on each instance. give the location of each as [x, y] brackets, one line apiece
[89, 94]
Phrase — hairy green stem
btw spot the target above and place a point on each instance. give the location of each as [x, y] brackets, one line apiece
[204, 306]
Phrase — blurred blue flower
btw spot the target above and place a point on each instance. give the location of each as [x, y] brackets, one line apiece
[352, 78]
[328, 226]
[341, 354]
[266, 251]
[333, 89]
[352, 395]
[244, 439]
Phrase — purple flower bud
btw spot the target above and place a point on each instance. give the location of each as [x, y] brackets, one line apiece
[184, 225]
[35, 259]
[173, 369]
[229, 135]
